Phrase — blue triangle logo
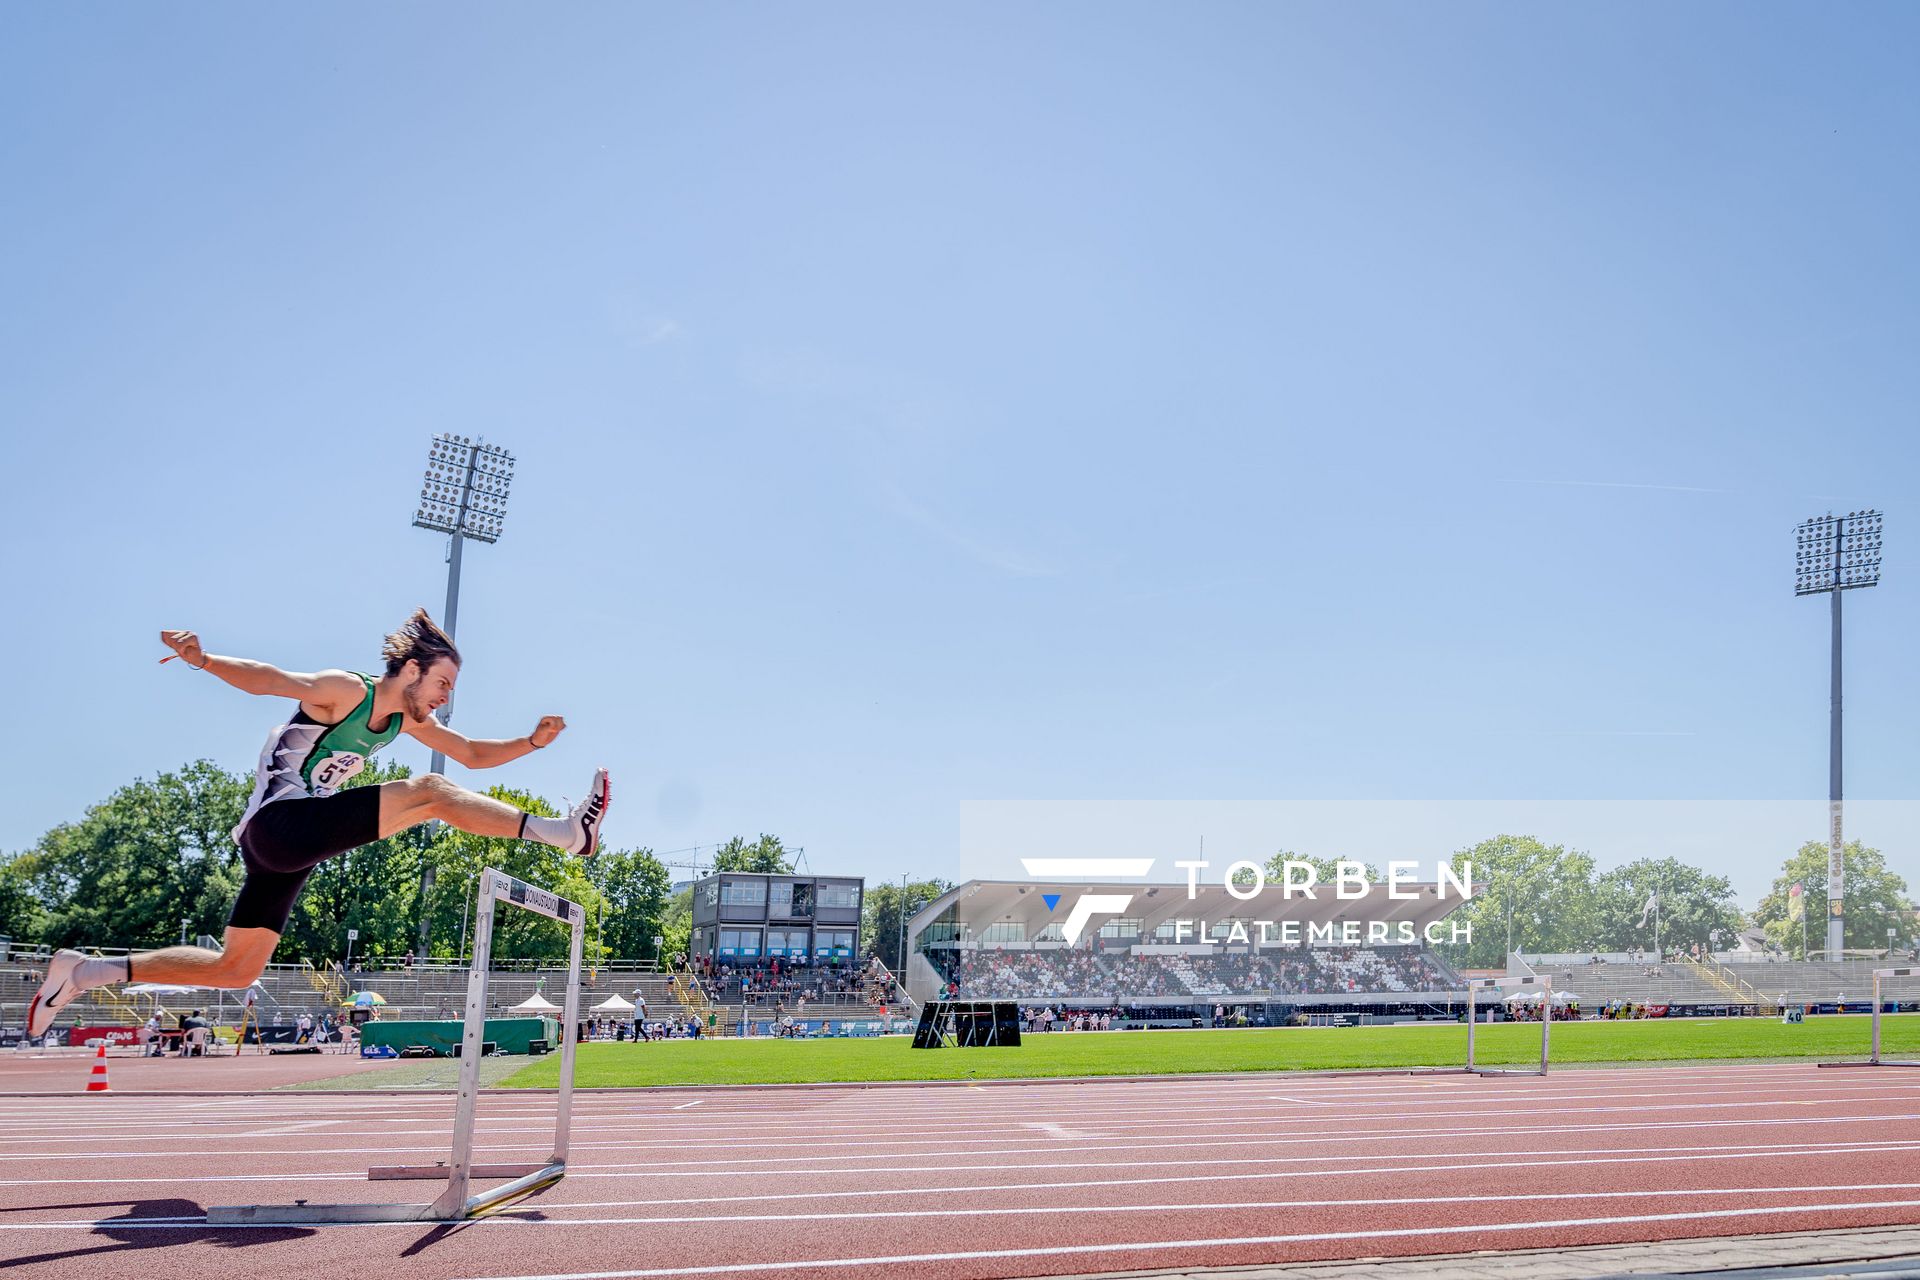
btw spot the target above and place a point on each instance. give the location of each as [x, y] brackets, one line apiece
[1051, 899]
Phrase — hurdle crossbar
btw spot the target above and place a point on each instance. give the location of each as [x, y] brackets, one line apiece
[456, 1202]
[1874, 1059]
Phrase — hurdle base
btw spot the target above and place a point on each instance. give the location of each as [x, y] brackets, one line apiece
[1881, 1062]
[489, 1202]
[239, 1215]
[441, 1172]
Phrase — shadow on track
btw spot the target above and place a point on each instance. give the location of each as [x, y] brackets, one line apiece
[123, 1235]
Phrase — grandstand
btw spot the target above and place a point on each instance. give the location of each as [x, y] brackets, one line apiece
[1171, 951]
[426, 990]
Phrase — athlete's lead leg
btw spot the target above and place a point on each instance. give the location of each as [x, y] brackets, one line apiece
[411, 801]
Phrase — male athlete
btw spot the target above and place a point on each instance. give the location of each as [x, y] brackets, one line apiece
[299, 816]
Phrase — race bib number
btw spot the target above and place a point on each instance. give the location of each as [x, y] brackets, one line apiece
[332, 773]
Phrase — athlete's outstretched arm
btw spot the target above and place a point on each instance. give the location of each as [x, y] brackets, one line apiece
[484, 753]
[322, 688]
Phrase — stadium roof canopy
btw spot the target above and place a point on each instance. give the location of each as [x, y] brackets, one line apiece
[978, 904]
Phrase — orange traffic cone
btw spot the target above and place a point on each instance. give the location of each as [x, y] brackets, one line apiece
[97, 1082]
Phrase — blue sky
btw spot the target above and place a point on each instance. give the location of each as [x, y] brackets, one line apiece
[924, 410]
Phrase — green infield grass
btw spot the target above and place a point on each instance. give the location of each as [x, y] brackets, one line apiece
[1063, 1053]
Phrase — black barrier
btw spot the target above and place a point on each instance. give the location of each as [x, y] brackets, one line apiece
[968, 1024]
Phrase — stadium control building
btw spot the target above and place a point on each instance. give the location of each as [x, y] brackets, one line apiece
[748, 917]
[1184, 953]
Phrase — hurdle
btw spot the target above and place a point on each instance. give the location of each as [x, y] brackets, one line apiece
[1518, 983]
[1874, 1059]
[455, 1202]
[1473, 1068]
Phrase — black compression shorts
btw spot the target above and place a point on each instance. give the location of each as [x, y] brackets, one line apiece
[283, 842]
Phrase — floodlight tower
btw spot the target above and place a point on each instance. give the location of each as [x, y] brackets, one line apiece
[1835, 554]
[464, 495]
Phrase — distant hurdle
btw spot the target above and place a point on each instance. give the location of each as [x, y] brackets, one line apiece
[1874, 1059]
[1520, 983]
[455, 1202]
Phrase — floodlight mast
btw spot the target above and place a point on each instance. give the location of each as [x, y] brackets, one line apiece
[1835, 554]
[464, 495]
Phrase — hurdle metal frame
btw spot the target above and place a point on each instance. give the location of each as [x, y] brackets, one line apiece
[455, 1202]
[1472, 1068]
[1875, 1060]
[1518, 983]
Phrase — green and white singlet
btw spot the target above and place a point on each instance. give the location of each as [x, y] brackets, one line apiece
[304, 758]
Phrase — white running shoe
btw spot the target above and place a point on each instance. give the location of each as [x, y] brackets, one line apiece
[588, 815]
[57, 992]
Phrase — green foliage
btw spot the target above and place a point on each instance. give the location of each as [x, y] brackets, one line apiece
[1326, 870]
[677, 925]
[1876, 898]
[458, 859]
[137, 864]
[765, 855]
[636, 890]
[1695, 908]
[1546, 891]
[881, 915]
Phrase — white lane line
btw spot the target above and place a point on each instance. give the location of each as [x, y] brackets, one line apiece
[1553, 1157]
[1209, 1205]
[1013, 1147]
[1214, 1243]
[301, 1126]
[1041, 1210]
[1001, 1146]
[1243, 1171]
[759, 1127]
[1062, 1132]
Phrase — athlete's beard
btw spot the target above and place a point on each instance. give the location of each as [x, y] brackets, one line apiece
[416, 705]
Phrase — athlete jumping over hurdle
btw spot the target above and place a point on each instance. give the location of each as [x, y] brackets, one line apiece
[299, 817]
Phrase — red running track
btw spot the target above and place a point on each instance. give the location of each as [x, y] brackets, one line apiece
[989, 1181]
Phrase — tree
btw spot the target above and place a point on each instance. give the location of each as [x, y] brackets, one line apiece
[883, 913]
[151, 855]
[1544, 892]
[22, 914]
[459, 857]
[637, 890]
[677, 925]
[374, 889]
[1326, 870]
[1876, 900]
[765, 855]
[1695, 908]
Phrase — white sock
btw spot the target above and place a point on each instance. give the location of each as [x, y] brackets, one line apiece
[102, 972]
[558, 832]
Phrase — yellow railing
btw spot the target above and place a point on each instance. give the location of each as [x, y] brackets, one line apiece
[329, 982]
[1718, 975]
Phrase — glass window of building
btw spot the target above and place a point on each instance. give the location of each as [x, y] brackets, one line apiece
[834, 943]
[780, 899]
[710, 892]
[1120, 927]
[1003, 932]
[839, 895]
[802, 901]
[1052, 933]
[743, 893]
[739, 942]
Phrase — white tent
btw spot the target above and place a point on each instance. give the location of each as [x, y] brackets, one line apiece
[614, 1004]
[535, 1003]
